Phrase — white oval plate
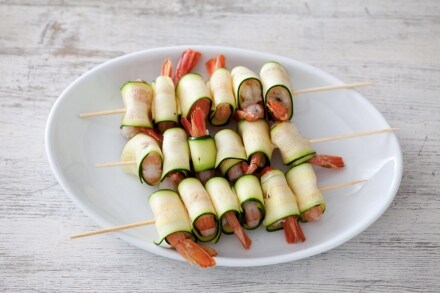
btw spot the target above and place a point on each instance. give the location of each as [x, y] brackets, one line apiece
[112, 197]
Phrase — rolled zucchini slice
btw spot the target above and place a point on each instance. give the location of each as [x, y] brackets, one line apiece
[138, 149]
[247, 87]
[279, 200]
[198, 203]
[294, 148]
[230, 150]
[170, 215]
[176, 156]
[222, 93]
[302, 180]
[224, 199]
[203, 153]
[277, 86]
[191, 89]
[248, 190]
[164, 100]
[137, 97]
[256, 138]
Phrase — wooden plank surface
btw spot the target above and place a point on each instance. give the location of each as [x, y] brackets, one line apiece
[46, 45]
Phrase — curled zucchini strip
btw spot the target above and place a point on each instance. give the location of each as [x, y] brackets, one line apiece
[175, 149]
[137, 97]
[230, 150]
[190, 89]
[279, 200]
[222, 93]
[247, 87]
[223, 198]
[170, 215]
[203, 153]
[198, 203]
[138, 148]
[302, 180]
[256, 138]
[294, 148]
[277, 86]
[164, 100]
[248, 189]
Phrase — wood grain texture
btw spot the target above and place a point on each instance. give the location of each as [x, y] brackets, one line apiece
[46, 45]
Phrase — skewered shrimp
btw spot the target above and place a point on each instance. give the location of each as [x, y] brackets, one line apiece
[187, 61]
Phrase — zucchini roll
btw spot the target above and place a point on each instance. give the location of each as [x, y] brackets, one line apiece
[250, 196]
[204, 221]
[165, 111]
[145, 150]
[173, 224]
[176, 156]
[277, 91]
[257, 143]
[193, 92]
[302, 180]
[294, 148]
[137, 97]
[227, 207]
[220, 86]
[281, 206]
[248, 94]
[230, 154]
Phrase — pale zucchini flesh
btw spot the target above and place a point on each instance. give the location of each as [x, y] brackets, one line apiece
[230, 149]
[248, 188]
[137, 97]
[176, 155]
[164, 100]
[247, 87]
[222, 93]
[256, 138]
[190, 89]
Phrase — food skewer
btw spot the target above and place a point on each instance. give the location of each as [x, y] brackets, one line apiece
[295, 92]
[310, 140]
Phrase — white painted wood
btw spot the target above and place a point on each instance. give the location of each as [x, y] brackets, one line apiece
[45, 45]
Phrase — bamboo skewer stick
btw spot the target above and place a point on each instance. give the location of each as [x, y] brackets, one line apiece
[152, 221]
[353, 134]
[102, 113]
[297, 92]
[114, 164]
[331, 87]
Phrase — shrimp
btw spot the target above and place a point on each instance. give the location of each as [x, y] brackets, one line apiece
[278, 110]
[206, 225]
[236, 171]
[192, 252]
[313, 214]
[258, 160]
[204, 176]
[152, 168]
[292, 231]
[229, 218]
[327, 161]
[252, 214]
[188, 60]
[172, 180]
[196, 126]
[250, 113]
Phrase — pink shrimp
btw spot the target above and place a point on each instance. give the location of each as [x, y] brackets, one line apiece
[250, 113]
[252, 214]
[278, 111]
[232, 221]
[327, 161]
[188, 60]
[258, 160]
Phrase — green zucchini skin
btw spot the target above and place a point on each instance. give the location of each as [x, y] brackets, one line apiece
[203, 153]
[198, 203]
[137, 97]
[248, 188]
[224, 199]
[303, 182]
[279, 200]
[170, 214]
[294, 148]
[276, 85]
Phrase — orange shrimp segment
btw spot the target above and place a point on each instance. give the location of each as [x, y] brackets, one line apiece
[327, 161]
[250, 113]
[167, 68]
[190, 251]
[213, 64]
[188, 60]
[278, 111]
[252, 214]
[292, 230]
[152, 133]
[312, 214]
[206, 225]
[196, 127]
[152, 168]
[257, 160]
[232, 220]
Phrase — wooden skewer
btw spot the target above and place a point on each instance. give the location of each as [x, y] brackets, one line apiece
[332, 87]
[102, 113]
[114, 164]
[152, 221]
[353, 134]
[113, 229]
[302, 91]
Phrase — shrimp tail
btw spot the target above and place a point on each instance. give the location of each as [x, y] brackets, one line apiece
[192, 252]
[278, 111]
[188, 60]
[292, 231]
[167, 68]
[238, 230]
[326, 161]
[215, 63]
[152, 133]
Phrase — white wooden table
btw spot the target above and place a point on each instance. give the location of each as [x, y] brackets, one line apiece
[46, 45]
